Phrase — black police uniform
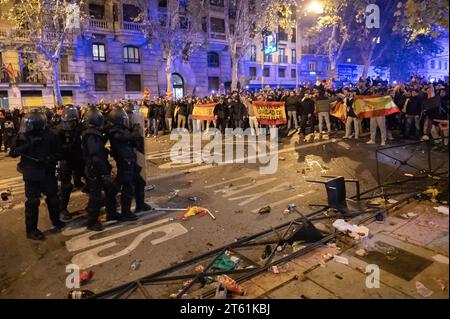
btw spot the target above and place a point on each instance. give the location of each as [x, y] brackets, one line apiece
[123, 144]
[71, 164]
[97, 170]
[40, 150]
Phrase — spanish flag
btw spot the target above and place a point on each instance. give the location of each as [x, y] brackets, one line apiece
[371, 106]
[338, 110]
[203, 111]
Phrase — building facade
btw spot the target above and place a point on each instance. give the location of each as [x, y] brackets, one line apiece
[436, 67]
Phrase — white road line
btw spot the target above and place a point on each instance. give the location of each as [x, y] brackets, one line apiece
[286, 200]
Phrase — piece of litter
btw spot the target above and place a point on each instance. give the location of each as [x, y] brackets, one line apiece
[265, 210]
[327, 256]
[440, 258]
[275, 270]
[392, 201]
[281, 158]
[422, 290]
[135, 265]
[150, 187]
[442, 209]
[404, 216]
[442, 283]
[340, 259]
[361, 252]
[48, 295]
[411, 215]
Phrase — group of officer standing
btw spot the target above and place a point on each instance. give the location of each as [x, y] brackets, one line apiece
[78, 144]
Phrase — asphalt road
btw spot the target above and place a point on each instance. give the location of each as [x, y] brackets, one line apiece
[233, 193]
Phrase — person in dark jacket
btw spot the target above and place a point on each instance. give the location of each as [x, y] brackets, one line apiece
[169, 109]
[412, 109]
[182, 114]
[430, 110]
[291, 109]
[39, 150]
[221, 115]
[97, 169]
[9, 131]
[307, 114]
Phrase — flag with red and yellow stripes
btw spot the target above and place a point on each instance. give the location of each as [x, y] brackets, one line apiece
[371, 106]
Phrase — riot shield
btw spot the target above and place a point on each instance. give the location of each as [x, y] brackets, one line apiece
[138, 118]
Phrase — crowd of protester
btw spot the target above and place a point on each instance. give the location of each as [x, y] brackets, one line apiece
[423, 106]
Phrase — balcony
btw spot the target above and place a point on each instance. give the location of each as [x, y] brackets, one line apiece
[98, 24]
[35, 78]
[67, 78]
[283, 59]
[217, 36]
[132, 26]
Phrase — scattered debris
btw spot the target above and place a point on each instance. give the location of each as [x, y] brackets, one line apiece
[361, 252]
[173, 194]
[442, 283]
[353, 231]
[193, 199]
[267, 252]
[5, 195]
[199, 268]
[408, 175]
[432, 192]
[48, 295]
[194, 210]
[422, 290]
[378, 201]
[231, 285]
[149, 187]
[221, 292]
[189, 182]
[327, 257]
[264, 210]
[135, 265]
[80, 294]
[275, 270]
[392, 201]
[411, 215]
[340, 259]
[281, 158]
[442, 209]
[86, 276]
[209, 244]
[224, 263]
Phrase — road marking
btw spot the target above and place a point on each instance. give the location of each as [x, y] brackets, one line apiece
[239, 188]
[286, 200]
[253, 197]
[91, 257]
[84, 241]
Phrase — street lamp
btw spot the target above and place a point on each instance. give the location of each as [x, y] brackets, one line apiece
[315, 7]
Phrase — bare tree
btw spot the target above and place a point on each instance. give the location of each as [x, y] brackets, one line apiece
[47, 26]
[245, 22]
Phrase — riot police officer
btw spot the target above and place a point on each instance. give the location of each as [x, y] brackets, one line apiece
[39, 150]
[139, 186]
[71, 164]
[123, 142]
[97, 169]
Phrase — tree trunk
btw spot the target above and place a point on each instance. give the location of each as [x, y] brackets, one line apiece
[365, 69]
[234, 73]
[56, 87]
[333, 71]
[168, 73]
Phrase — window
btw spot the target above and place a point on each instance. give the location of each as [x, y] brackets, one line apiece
[101, 81]
[268, 58]
[294, 35]
[97, 11]
[253, 53]
[217, 25]
[440, 65]
[252, 71]
[184, 22]
[293, 73]
[267, 72]
[131, 54]
[312, 66]
[445, 65]
[213, 59]
[293, 56]
[162, 3]
[132, 82]
[282, 35]
[281, 72]
[213, 84]
[98, 52]
[432, 64]
[217, 3]
[131, 13]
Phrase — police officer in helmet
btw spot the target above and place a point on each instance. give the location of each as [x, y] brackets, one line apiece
[123, 143]
[39, 150]
[97, 169]
[71, 164]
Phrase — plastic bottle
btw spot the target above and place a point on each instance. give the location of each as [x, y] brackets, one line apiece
[80, 294]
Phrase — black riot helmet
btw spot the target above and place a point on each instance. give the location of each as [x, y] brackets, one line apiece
[50, 115]
[70, 117]
[33, 122]
[93, 118]
[118, 117]
[129, 108]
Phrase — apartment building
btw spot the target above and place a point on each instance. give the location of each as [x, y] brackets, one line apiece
[111, 58]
